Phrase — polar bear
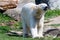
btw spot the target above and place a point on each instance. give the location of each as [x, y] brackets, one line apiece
[32, 18]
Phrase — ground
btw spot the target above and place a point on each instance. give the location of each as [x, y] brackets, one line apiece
[52, 23]
[55, 20]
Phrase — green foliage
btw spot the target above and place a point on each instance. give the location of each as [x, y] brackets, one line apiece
[18, 26]
[4, 29]
[54, 25]
[6, 37]
[52, 13]
[5, 18]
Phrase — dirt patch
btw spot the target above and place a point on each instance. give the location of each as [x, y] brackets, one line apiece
[50, 24]
[55, 20]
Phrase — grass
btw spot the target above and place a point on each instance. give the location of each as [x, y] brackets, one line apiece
[52, 13]
[5, 20]
[5, 27]
[6, 37]
[55, 25]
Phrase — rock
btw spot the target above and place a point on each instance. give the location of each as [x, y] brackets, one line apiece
[52, 32]
[46, 27]
[15, 13]
[54, 4]
[8, 4]
[15, 33]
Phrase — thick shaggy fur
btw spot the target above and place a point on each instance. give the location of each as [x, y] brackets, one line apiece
[32, 16]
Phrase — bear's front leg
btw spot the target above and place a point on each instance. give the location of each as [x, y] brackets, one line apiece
[24, 27]
[41, 25]
[33, 27]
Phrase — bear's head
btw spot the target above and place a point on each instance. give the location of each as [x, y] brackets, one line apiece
[43, 6]
[41, 9]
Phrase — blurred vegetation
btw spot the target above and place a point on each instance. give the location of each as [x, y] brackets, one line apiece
[8, 22]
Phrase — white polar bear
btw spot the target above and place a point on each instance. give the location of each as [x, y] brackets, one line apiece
[32, 16]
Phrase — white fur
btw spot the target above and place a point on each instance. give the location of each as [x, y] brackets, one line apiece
[27, 14]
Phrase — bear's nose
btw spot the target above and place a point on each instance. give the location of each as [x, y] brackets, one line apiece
[46, 8]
